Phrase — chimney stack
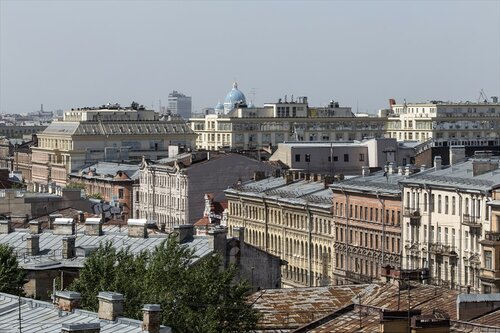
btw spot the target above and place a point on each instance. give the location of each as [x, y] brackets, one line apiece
[400, 170]
[259, 175]
[110, 305]
[35, 227]
[407, 170]
[67, 300]
[33, 244]
[52, 218]
[217, 241]
[437, 162]
[365, 170]
[81, 328]
[68, 248]
[151, 318]
[137, 228]
[64, 226]
[457, 154]
[5, 226]
[185, 232]
[93, 226]
[81, 217]
[391, 169]
[423, 167]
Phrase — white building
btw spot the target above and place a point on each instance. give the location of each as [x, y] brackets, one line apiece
[179, 104]
[443, 120]
[446, 215]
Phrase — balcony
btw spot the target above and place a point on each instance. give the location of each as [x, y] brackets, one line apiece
[471, 221]
[489, 275]
[413, 214]
[491, 238]
[442, 249]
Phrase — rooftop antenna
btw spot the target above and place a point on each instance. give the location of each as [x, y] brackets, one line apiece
[252, 91]
[482, 96]
[357, 106]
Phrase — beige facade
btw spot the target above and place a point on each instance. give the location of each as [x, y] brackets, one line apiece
[443, 120]
[490, 269]
[447, 219]
[247, 128]
[86, 136]
[290, 217]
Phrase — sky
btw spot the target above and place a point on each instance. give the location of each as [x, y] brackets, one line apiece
[69, 53]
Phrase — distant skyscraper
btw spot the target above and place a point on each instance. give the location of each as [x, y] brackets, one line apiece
[179, 104]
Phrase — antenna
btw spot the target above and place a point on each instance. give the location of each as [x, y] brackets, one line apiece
[482, 96]
[252, 91]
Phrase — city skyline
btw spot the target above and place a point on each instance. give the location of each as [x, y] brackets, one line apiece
[74, 53]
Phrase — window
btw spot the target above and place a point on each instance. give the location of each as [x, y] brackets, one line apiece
[120, 193]
[446, 204]
[297, 157]
[361, 157]
[439, 203]
[425, 233]
[432, 202]
[308, 158]
[453, 205]
[439, 235]
[335, 158]
[346, 157]
[425, 202]
[487, 259]
[466, 240]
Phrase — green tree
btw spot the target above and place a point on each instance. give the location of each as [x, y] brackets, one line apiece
[76, 186]
[11, 275]
[197, 297]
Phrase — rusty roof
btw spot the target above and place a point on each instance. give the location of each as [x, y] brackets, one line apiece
[285, 309]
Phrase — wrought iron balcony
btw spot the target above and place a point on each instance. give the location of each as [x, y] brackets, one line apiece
[411, 212]
[491, 238]
[471, 221]
[442, 249]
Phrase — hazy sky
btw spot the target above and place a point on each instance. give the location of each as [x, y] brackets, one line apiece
[68, 53]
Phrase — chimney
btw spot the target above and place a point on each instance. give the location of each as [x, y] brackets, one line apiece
[430, 324]
[93, 226]
[151, 318]
[239, 232]
[314, 177]
[259, 175]
[81, 217]
[217, 241]
[5, 226]
[482, 167]
[288, 178]
[457, 154]
[391, 169]
[64, 226]
[327, 181]
[437, 162]
[422, 167]
[185, 232]
[81, 328]
[110, 305]
[68, 248]
[33, 244]
[35, 227]
[407, 170]
[395, 321]
[307, 176]
[137, 228]
[365, 170]
[67, 300]
[52, 218]
[400, 170]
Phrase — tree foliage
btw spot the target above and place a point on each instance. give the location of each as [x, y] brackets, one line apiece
[11, 275]
[76, 186]
[196, 297]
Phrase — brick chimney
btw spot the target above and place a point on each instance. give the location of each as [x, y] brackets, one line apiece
[68, 247]
[5, 226]
[110, 305]
[35, 227]
[67, 300]
[365, 170]
[437, 162]
[93, 226]
[185, 232]
[137, 228]
[33, 244]
[395, 321]
[81, 328]
[52, 218]
[151, 318]
[64, 226]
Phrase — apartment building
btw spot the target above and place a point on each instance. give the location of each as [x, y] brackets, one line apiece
[443, 120]
[290, 217]
[106, 133]
[447, 222]
[367, 217]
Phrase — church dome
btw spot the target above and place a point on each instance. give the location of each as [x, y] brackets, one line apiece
[233, 97]
[219, 107]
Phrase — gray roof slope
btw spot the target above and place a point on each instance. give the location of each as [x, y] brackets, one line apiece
[375, 182]
[51, 246]
[108, 170]
[459, 175]
[38, 316]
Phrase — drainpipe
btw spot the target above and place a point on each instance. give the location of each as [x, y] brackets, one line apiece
[346, 230]
[309, 241]
[459, 261]
[430, 205]
[382, 216]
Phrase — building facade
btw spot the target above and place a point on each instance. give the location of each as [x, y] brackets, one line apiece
[443, 120]
[367, 217]
[290, 217]
[173, 193]
[179, 104]
[108, 133]
[447, 219]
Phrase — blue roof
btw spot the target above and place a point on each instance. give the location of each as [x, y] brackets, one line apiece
[234, 96]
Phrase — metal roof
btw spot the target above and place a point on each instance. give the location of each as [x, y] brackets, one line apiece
[50, 254]
[375, 182]
[38, 316]
[108, 171]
